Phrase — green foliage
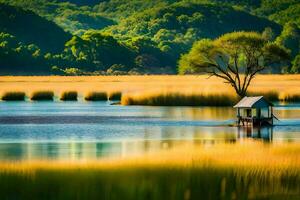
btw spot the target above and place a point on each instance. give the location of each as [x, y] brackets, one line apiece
[17, 57]
[296, 65]
[66, 14]
[72, 71]
[174, 28]
[151, 182]
[280, 11]
[43, 33]
[84, 2]
[290, 38]
[198, 53]
[117, 69]
[142, 36]
[98, 51]
[268, 34]
[119, 9]
[223, 51]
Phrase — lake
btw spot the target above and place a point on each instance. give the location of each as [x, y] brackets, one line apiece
[85, 130]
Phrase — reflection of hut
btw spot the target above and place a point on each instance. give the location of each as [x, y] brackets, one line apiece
[264, 133]
[255, 111]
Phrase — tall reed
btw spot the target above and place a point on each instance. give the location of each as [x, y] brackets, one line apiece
[42, 96]
[96, 96]
[292, 98]
[69, 96]
[115, 96]
[272, 96]
[13, 96]
[178, 99]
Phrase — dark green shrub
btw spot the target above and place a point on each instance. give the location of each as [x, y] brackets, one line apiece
[42, 96]
[96, 96]
[69, 96]
[115, 96]
[13, 96]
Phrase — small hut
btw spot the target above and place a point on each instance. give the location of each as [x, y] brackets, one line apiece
[255, 111]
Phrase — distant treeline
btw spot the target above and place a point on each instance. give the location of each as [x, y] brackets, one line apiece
[74, 37]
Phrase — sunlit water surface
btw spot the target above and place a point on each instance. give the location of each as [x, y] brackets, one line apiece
[82, 130]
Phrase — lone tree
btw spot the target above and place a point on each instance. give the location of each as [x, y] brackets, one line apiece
[235, 57]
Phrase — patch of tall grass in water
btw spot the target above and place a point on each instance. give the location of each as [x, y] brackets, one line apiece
[227, 171]
[178, 99]
[13, 96]
[69, 96]
[115, 96]
[42, 96]
[96, 96]
[272, 96]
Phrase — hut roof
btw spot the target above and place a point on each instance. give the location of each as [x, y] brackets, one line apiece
[253, 102]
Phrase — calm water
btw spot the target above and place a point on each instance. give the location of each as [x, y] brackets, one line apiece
[81, 130]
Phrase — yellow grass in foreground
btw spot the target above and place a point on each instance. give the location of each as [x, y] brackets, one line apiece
[229, 171]
[253, 156]
[283, 84]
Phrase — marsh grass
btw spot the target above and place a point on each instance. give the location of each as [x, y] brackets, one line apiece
[227, 171]
[292, 98]
[69, 96]
[115, 96]
[13, 96]
[178, 99]
[284, 85]
[96, 96]
[42, 96]
[272, 96]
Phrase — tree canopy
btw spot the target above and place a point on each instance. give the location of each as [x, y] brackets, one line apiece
[234, 57]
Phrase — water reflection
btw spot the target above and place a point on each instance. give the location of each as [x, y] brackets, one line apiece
[260, 133]
[126, 148]
[97, 130]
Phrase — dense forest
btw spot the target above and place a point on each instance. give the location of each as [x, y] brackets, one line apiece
[78, 37]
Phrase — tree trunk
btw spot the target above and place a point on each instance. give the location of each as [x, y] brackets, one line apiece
[241, 93]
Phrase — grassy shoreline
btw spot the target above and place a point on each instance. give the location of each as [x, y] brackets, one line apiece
[156, 90]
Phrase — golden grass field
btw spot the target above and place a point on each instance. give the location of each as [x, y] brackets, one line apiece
[283, 84]
[250, 155]
[248, 170]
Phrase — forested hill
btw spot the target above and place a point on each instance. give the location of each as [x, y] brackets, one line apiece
[136, 36]
[84, 2]
[25, 38]
[174, 28]
[30, 28]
